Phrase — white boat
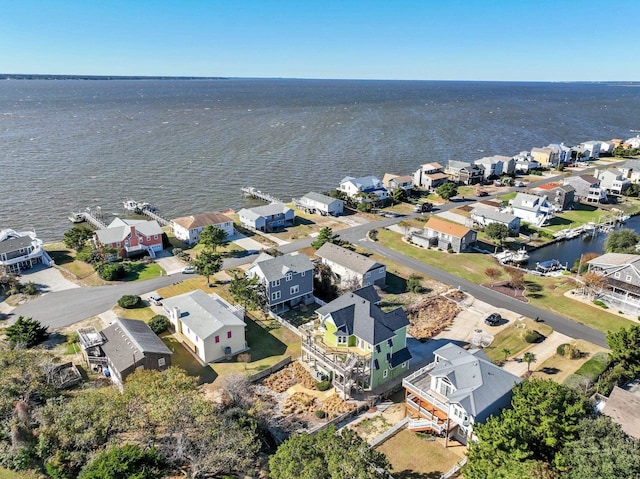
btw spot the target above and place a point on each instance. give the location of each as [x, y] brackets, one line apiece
[624, 218]
[509, 256]
[76, 217]
[133, 205]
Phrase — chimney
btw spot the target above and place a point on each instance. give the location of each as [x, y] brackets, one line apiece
[175, 313]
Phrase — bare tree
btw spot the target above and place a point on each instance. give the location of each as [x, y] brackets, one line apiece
[493, 274]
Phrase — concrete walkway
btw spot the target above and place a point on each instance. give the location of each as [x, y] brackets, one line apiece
[247, 243]
[542, 351]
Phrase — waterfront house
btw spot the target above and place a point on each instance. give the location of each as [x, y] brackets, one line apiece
[320, 204]
[20, 251]
[623, 407]
[589, 149]
[445, 235]
[130, 344]
[363, 189]
[563, 153]
[392, 182]
[632, 142]
[207, 325]
[459, 389]
[531, 208]
[497, 165]
[465, 173]
[524, 163]
[430, 176]
[131, 237]
[587, 188]
[612, 180]
[287, 279]
[356, 344]
[546, 157]
[622, 276]
[267, 218]
[188, 228]
[484, 216]
[607, 147]
[351, 268]
[561, 197]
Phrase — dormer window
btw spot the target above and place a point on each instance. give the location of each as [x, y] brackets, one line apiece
[289, 276]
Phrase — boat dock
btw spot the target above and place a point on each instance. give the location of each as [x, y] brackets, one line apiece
[251, 192]
[92, 216]
[144, 208]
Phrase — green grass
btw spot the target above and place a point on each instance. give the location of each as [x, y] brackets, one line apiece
[185, 360]
[512, 339]
[143, 314]
[507, 197]
[544, 292]
[139, 271]
[595, 366]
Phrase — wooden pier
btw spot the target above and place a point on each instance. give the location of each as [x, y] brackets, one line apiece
[144, 208]
[162, 221]
[92, 216]
[251, 192]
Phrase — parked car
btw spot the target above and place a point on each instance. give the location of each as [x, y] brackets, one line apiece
[423, 208]
[189, 270]
[493, 319]
[481, 193]
[519, 184]
[155, 299]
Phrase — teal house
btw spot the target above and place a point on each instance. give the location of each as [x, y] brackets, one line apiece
[356, 344]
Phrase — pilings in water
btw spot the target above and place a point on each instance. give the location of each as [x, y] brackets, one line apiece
[251, 192]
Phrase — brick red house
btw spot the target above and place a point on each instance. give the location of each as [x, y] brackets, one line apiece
[131, 237]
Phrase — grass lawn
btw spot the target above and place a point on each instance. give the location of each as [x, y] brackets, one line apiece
[544, 292]
[139, 271]
[66, 259]
[559, 368]
[187, 286]
[511, 338]
[507, 197]
[589, 371]
[7, 474]
[184, 359]
[144, 314]
[412, 456]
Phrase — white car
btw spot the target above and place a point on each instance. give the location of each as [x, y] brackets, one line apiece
[189, 270]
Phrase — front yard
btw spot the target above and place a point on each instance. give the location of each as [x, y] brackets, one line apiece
[512, 338]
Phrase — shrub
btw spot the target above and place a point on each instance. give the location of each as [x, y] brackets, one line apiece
[567, 350]
[129, 301]
[532, 336]
[73, 337]
[30, 288]
[321, 414]
[373, 234]
[414, 283]
[26, 332]
[111, 271]
[159, 323]
[323, 385]
[597, 302]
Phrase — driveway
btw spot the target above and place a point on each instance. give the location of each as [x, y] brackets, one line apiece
[542, 351]
[169, 263]
[47, 279]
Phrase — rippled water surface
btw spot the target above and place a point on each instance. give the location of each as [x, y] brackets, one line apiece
[188, 146]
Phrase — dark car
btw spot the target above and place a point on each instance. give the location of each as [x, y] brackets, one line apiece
[493, 319]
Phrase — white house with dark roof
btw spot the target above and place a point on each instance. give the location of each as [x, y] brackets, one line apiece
[287, 279]
[130, 344]
[531, 208]
[356, 343]
[352, 268]
[207, 325]
[131, 237]
[267, 218]
[484, 216]
[367, 185]
[188, 228]
[459, 389]
[321, 204]
[20, 251]
[587, 188]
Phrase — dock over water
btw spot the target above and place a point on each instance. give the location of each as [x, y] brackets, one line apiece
[251, 192]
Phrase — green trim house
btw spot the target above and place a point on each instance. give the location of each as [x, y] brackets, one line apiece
[357, 344]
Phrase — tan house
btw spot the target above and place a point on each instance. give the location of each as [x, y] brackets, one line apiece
[445, 235]
[188, 228]
[392, 182]
[545, 156]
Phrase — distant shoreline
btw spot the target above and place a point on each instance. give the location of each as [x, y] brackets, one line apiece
[22, 76]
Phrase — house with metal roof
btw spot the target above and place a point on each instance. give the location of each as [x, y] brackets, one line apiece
[352, 268]
[287, 279]
[130, 344]
[458, 389]
[20, 251]
[484, 216]
[357, 344]
[321, 204]
[188, 228]
[207, 325]
[267, 218]
[445, 235]
[131, 237]
[533, 209]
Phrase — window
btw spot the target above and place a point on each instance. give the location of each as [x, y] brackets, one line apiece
[381, 270]
[228, 334]
[217, 339]
[390, 342]
[161, 362]
[276, 295]
[303, 273]
[342, 340]
[404, 365]
[617, 275]
[445, 388]
[155, 236]
[385, 373]
[275, 282]
[289, 276]
[377, 348]
[148, 238]
[294, 289]
[628, 278]
[118, 244]
[367, 274]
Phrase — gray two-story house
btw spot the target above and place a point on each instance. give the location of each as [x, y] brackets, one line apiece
[267, 218]
[287, 279]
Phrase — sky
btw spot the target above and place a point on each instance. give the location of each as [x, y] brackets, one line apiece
[503, 40]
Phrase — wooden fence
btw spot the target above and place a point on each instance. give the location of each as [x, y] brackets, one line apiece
[266, 372]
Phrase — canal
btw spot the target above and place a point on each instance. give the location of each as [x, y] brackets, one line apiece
[570, 250]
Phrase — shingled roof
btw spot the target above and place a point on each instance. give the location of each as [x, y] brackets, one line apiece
[202, 219]
[347, 258]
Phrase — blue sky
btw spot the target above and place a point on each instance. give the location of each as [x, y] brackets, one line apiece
[536, 40]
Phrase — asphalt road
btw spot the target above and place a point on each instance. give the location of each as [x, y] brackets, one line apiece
[63, 308]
